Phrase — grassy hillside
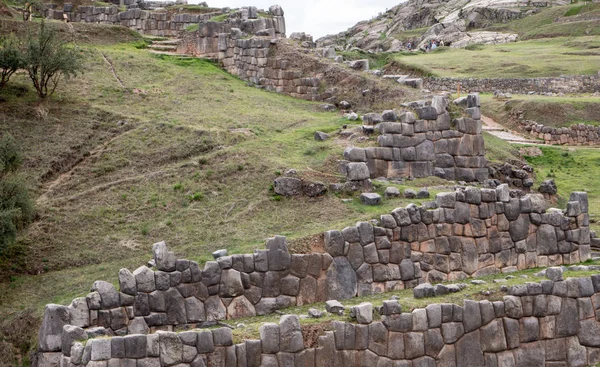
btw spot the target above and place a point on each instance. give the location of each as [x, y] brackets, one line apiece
[524, 59]
[551, 111]
[142, 148]
[184, 152]
[560, 40]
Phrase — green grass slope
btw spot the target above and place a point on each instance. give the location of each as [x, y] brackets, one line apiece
[185, 153]
[550, 111]
[560, 40]
[524, 59]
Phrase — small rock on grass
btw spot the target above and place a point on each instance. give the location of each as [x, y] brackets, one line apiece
[368, 198]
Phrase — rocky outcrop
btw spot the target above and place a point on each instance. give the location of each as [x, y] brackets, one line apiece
[456, 16]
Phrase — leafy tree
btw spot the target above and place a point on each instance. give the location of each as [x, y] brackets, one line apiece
[11, 58]
[16, 208]
[48, 58]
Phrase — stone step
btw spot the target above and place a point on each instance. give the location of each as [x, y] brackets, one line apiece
[163, 48]
[158, 52]
[172, 42]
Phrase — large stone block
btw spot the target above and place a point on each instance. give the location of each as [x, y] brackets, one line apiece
[278, 254]
[55, 318]
[341, 279]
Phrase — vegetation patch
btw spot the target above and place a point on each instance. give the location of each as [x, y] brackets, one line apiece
[526, 59]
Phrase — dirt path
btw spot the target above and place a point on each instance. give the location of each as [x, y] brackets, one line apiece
[503, 133]
[112, 69]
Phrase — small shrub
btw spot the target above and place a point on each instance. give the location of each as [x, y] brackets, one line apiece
[276, 197]
[141, 44]
[197, 196]
[145, 229]
[16, 207]
[48, 58]
[11, 59]
[178, 186]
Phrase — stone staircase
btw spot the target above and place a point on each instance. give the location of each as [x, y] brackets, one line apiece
[166, 47]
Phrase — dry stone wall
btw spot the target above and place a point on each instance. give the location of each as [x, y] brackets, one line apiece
[156, 23]
[563, 84]
[469, 232]
[550, 323]
[426, 146]
[579, 134]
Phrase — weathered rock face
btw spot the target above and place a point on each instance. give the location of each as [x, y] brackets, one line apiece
[447, 21]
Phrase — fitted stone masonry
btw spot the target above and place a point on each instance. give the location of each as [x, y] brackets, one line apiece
[427, 145]
[550, 323]
[469, 232]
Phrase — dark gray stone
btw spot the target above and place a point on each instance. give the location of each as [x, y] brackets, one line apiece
[370, 198]
[468, 350]
[341, 279]
[278, 254]
[49, 337]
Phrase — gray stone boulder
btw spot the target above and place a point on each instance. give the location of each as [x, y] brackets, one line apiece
[582, 199]
[314, 313]
[548, 187]
[555, 273]
[368, 198]
[314, 189]
[363, 313]
[354, 154]
[165, 260]
[334, 307]
[424, 290]
[219, 253]
[372, 118]
[357, 171]
[321, 136]
[410, 194]
[276, 10]
[287, 186]
[362, 65]
[109, 295]
[345, 105]
[389, 115]
[391, 192]
[290, 334]
[423, 194]
[278, 254]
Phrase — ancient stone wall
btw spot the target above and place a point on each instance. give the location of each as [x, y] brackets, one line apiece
[156, 23]
[565, 84]
[426, 146]
[578, 134]
[469, 232]
[550, 323]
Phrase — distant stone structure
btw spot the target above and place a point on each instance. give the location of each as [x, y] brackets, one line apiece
[427, 146]
[563, 84]
[577, 134]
